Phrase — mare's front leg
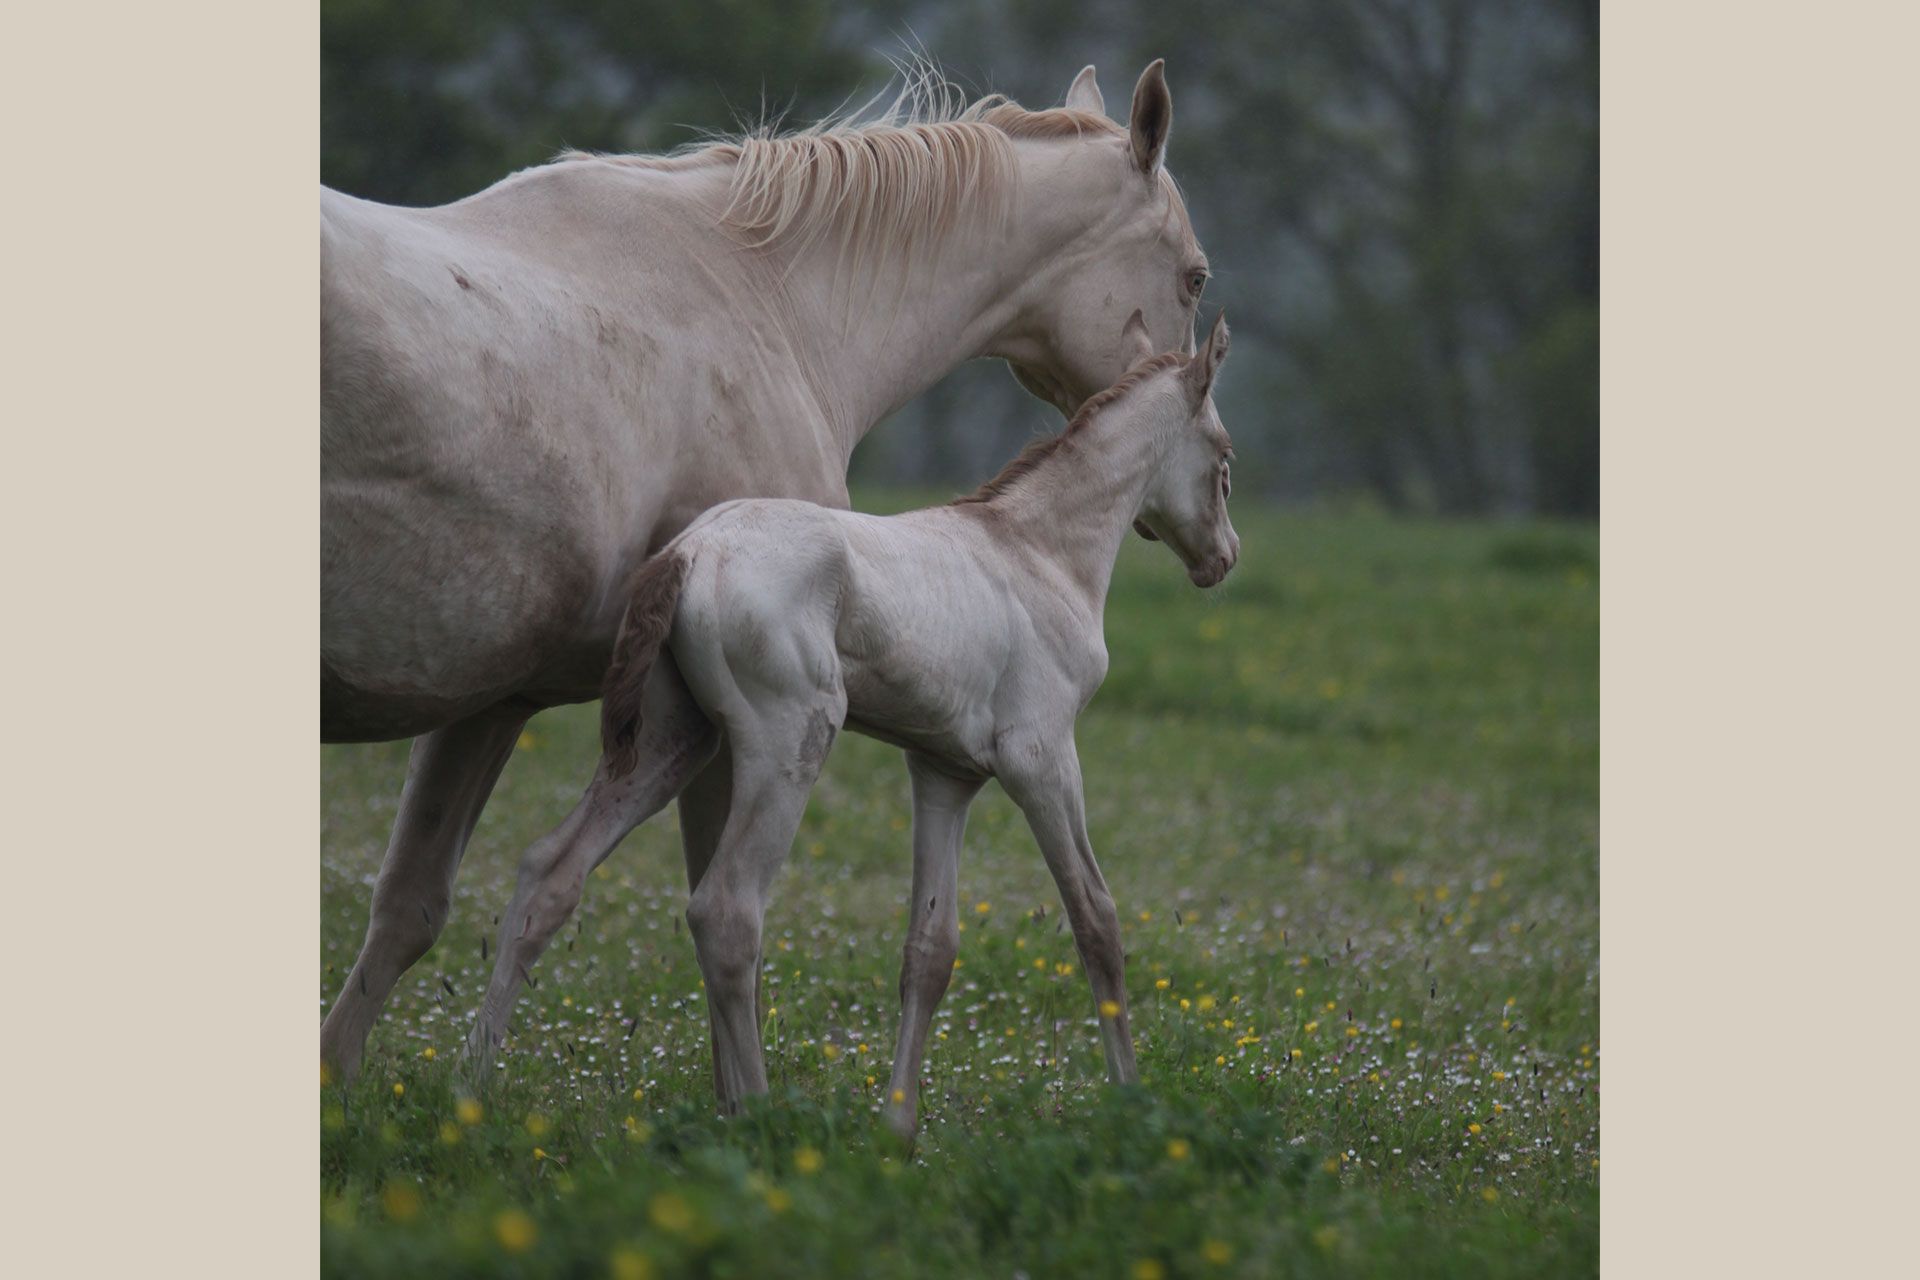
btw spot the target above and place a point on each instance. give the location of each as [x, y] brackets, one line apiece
[449, 777]
[675, 740]
[940, 803]
[1043, 777]
[776, 753]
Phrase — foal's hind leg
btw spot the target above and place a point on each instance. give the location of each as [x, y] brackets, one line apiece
[675, 740]
[777, 752]
[449, 777]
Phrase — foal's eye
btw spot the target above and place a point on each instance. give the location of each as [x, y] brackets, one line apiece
[1226, 481]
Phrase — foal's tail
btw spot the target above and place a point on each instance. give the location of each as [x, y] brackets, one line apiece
[649, 618]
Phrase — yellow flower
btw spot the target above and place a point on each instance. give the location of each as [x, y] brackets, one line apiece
[1489, 1194]
[514, 1230]
[399, 1090]
[831, 1049]
[427, 1053]
[1332, 1005]
[538, 1154]
[1511, 1002]
[401, 1200]
[807, 1160]
[1149, 1269]
[1220, 1061]
[1497, 1108]
[1185, 1003]
[1161, 984]
[1146, 917]
[536, 1124]
[777, 1200]
[1499, 1075]
[981, 908]
[899, 1096]
[1298, 992]
[1039, 963]
[1395, 1024]
[450, 1134]
[1352, 1030]
[467, 1111]
[871, 1082]
[639, 1094]
[1109, 1008]
[1373, 1077]
[1312, 1027]
[1217, 1252]
[1178, 1149]
[1063, 968]
[1474, 1128]
[1293, 1053]
[627, 1264]
[1206, 1003]
[670, 1212]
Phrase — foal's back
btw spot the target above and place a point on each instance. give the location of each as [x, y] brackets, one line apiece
[912, 618]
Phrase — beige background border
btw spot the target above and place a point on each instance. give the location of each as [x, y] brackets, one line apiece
[1760, 429]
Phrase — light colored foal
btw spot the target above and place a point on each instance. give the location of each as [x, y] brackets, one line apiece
[968, 634]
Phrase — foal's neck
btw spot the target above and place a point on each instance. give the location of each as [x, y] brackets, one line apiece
[1077, 506]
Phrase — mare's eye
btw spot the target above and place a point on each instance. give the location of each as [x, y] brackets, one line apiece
[1196, 284]
[1226, 481]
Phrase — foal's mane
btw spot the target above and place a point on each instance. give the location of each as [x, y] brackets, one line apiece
[889, 173]
[1035, 455]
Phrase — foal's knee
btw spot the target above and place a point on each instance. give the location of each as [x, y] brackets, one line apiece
[726, 935]
[927, 965]
[406, 923]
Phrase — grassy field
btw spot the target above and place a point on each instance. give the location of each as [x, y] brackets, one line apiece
[1348, 804]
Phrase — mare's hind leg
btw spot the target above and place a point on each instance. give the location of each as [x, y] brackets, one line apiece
[703, 809]
[777, 749]
[676, 739]
[449, 777]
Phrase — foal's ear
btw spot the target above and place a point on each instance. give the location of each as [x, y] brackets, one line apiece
[1151, 117]
[1206, 362]
[1136, 344]
[1084, 94]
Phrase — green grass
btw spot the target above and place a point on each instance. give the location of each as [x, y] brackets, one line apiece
[1347, 802]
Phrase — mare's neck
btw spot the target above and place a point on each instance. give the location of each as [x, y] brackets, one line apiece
[869, 346]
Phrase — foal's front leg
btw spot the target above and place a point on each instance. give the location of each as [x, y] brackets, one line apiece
[940, 803]
[1045, 783]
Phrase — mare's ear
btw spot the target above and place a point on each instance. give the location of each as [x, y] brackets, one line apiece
[1084, 94]
[1136, 344]
[1151, 117]
[1206, 362]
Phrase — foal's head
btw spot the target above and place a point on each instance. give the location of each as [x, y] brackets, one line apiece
[1185, 505]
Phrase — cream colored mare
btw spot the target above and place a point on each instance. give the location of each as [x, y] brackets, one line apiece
[525, 393]
[969, 634]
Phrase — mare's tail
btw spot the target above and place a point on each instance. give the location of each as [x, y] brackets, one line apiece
[650, 608]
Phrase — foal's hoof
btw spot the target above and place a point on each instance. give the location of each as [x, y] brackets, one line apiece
[903, 1120]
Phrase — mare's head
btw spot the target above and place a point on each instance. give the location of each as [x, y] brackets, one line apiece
[1185, 504]
[1132, 248]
